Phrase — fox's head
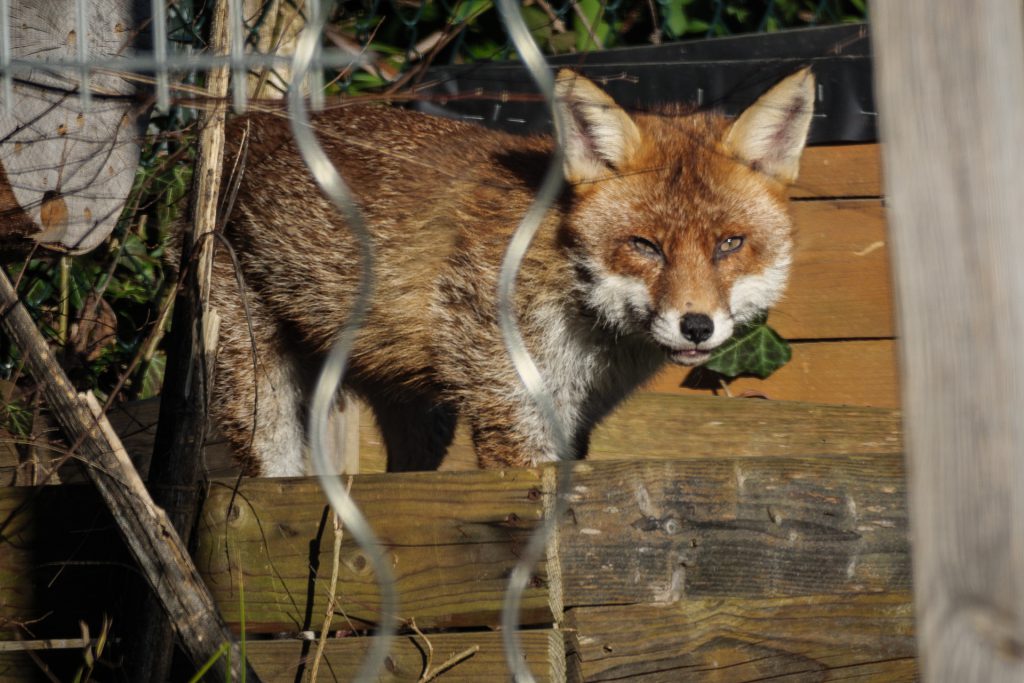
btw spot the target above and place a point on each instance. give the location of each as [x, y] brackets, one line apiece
[680, 227]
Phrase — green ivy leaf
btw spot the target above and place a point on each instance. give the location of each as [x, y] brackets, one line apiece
[754, 349]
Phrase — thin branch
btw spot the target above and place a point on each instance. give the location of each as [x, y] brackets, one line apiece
[332, 596]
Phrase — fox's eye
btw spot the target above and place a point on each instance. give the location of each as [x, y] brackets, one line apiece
[728, 245]
[646, 248]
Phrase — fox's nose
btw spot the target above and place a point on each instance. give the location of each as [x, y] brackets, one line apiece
[697, 327]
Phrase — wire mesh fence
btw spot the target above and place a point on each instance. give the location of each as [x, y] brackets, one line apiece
[104, 61]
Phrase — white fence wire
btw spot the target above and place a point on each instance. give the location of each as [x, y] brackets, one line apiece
[307, 66]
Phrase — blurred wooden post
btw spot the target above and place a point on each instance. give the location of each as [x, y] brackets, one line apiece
[950, 86]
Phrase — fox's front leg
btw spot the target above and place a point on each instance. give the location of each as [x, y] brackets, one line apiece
[509, 431]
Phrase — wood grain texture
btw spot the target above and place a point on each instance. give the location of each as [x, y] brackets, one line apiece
[950, 92]
[839, 171]
[17, 591]
[677, 427]
[814, 638]
[661, 531]
[68, 169]
[451, 548]
[862, 373]
[17, 667]
[145, 528]
[657, 426]
[280, 661]
[647, 426]
[840, 285]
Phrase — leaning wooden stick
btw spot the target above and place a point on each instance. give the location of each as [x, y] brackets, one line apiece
[149, 535]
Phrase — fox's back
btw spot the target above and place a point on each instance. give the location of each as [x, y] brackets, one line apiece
[424, 185]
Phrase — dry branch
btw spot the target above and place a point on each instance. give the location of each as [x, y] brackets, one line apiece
[149, 535]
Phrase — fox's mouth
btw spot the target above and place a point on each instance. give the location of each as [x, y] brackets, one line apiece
[689, 357]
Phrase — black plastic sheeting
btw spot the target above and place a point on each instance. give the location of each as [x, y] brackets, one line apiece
[721, 73]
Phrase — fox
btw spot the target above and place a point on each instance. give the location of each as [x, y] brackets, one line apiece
[672, 229]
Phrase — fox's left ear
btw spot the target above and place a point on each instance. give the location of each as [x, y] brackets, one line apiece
[771, 133]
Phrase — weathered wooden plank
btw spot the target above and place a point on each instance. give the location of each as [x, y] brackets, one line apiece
[18, 537]
[950, 101]
[17, 667]
[156, 548]
[662, 426]
[814, 638]
[280, 661]
[658, 531]
[840, 284]
[862, 373]
[649, 426]
[839, 171]
[452, 543]
[658, 426]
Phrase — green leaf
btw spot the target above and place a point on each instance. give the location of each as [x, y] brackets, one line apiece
[38, 292]
[754, 349]
[539, 24]
[697, 26]
[469, 10]
[153, 376]
[17, 419]
[593, 11]
[675, 17]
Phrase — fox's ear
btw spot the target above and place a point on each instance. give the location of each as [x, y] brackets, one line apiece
[599, 135]
[771, 133]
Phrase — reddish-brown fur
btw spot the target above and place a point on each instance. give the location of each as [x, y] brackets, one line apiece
[441, 199]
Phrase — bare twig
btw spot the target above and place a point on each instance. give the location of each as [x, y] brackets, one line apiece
[656, 32]
[430, 674]
[557, 25]
[455, 659]
[430, 647]
[332, 597]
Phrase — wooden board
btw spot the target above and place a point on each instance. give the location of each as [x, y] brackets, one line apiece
[840, 286]
[451, 543]
[773, 537]
[17, 539]
[658, 426]
[647, 426]
[661, 531]
[840, 171]
[664, 426]
[861, 372]
[17, 667]
[279, 661]
[815, 638]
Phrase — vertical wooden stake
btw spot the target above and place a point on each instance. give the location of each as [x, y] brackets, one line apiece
[176, 474]
[950, 85]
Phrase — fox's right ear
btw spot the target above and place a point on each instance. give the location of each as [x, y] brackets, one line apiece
[599, 135]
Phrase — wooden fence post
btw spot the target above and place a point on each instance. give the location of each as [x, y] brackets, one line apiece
[950, 85]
